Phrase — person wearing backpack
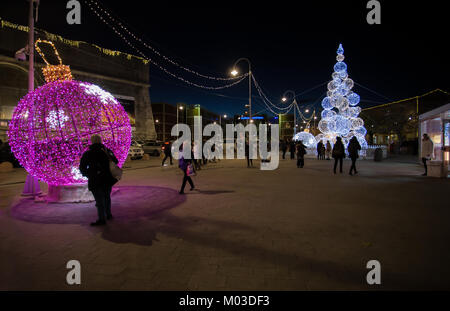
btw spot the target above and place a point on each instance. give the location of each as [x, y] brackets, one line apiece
[95, 165]
[353, 150]
[338, 154]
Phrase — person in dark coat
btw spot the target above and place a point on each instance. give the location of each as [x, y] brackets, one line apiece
[301, 151]
[338, 154]
[319, 150]
[292, 149]
[247, 154]
[94, 165]
[283, 148]
[353, 150]
[167, 153]
[183, 165]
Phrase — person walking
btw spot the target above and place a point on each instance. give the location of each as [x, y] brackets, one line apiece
[94, 165]
[195, 150]
[328, 150]
[338, 154]
[319, 150]
[167, 153]
[353, 152]
[292, 148]
[426, 152]
[283, 148]
[183, 165]
[301, 151]
[247, 154]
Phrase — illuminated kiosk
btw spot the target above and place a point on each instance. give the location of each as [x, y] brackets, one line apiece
[436, 123]
[51, 129]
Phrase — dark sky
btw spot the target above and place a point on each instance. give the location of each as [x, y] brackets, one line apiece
[291, 44]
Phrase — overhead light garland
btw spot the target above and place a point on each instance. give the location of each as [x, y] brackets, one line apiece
[157, 64]
[135, 37]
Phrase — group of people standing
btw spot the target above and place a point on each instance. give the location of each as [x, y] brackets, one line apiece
[325, 151]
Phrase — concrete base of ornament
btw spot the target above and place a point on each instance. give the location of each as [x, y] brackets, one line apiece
[69, 194]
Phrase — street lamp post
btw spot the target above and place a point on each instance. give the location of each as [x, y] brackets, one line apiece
[179, 107]
[295, 104]
[234, 72]
[31, 187]
[220, 119]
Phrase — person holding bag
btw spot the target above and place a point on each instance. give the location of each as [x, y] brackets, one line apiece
[186, 166]
[99, 165]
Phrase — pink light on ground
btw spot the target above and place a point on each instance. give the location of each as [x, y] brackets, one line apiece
[51, 128]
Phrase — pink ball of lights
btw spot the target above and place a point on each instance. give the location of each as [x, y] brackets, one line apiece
[52, 125]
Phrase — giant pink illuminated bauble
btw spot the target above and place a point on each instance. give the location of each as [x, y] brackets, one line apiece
[52, 125]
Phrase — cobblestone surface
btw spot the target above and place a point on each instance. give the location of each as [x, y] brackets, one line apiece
[243, 229]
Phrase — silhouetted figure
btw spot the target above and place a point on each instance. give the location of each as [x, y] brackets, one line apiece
[195, 150]
[338, 154]
[94, 165]
[292, 149]
[328, 150]
[427, 151]
[319, 150]
[167, 153]
[247, 154]
[301, 151]
[183, 165]
[283, 148]
[353, 152]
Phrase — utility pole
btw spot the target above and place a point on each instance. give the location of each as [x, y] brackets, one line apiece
[32, 187]
[295, 117]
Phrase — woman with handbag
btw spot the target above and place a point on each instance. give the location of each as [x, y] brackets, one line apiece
[186, 166]
[99, 165]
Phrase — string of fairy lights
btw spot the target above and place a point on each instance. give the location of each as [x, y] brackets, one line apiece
[97, 10]
[135, 37]
[156, 63]
[123, 32]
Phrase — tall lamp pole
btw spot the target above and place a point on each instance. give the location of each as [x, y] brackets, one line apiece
[234, 72]
[283, 99]
[32, 187]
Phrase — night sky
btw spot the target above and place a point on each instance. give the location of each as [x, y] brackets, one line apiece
[292, 45]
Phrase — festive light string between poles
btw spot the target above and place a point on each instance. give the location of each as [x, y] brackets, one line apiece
[161, 67]
[156, 51]
[258, 88]
[268, 104]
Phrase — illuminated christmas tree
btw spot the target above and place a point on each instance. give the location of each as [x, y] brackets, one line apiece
[340, 114]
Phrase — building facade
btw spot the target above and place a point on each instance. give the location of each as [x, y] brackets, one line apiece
[396, 124]
[167, 115]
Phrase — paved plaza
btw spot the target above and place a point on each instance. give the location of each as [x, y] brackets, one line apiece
[242, 229]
